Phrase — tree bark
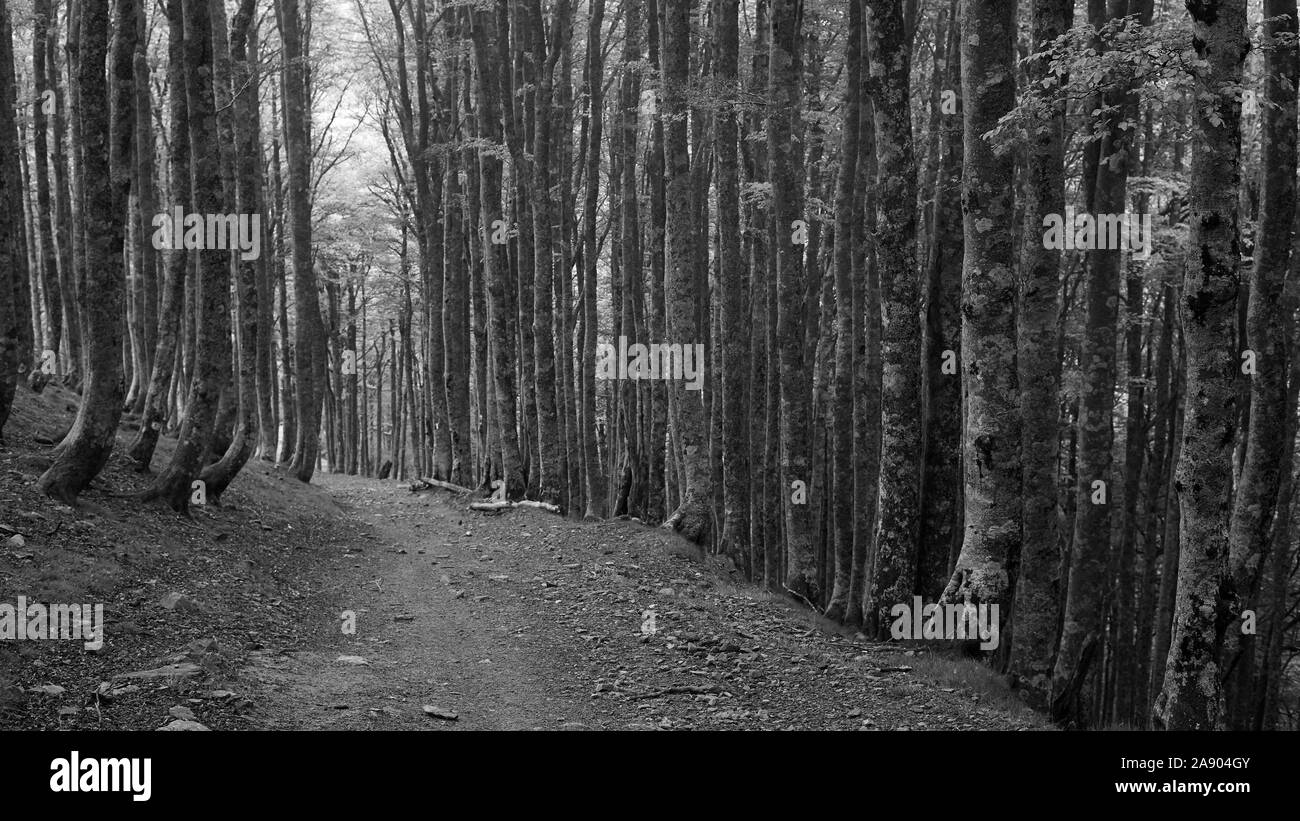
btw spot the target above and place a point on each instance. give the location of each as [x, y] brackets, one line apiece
[1192, 698]
[212, 300]
[106, 127]
[1254, 504]
[692, 518]
[991, 449]
[309, 333]
[1037, 597]
[898, 527]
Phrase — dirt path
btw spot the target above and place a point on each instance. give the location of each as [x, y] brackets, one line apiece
[525, 620]
[440, 620]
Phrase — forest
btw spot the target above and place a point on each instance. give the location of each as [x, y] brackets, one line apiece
[945, 305]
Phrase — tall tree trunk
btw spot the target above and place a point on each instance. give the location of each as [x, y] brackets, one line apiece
[841, 445]
[1255, 501]
[501, 313]
[309, 333]
[1037, 596]
[784, 72]
[692, 517]
[734, 339]
[212, 363]
[176, 259]
[894, 579]
[42, 13]
[66, 237]
[941, 481]
[1087, 595]
[1192, 697]
[594, 83]
[455, 307]
[106, 128]
[218, 476]
[991, 449]
[550, 444]
[12, 260]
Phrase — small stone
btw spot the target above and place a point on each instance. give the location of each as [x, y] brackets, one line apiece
[180, 603]
[183, 713]
[356, 660]
[180, 725]
[16, 541]
[440, 712]
[48, 690]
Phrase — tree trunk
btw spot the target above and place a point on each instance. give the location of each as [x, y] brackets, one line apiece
[899, 510]
[12, 260]
[1037, 597]
[991, 449]
[217, 477]
[841, 446]
[309, 333]
[212, 364]
[735, 297]
[692, 518]
[1256, 492]
[1192, 698]
[501, 313]
[784, 72]
[106, 127]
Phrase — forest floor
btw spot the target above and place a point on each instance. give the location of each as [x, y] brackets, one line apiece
[357, 604]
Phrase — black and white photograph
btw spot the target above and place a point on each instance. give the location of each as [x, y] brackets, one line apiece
[581, 377]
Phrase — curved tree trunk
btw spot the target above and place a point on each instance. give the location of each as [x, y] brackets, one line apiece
[217, 477]
[174, 484]
[107, 129]
[176, 259]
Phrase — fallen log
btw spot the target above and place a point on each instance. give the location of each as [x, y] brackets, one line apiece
[495, 506]
[429, 484]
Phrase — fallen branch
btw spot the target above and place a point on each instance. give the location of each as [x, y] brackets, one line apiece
[429, 484]
[539, 505]
[495, 506]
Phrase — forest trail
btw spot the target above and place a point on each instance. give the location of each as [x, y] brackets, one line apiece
[525, 620]
[515, 620]
[441, 618]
